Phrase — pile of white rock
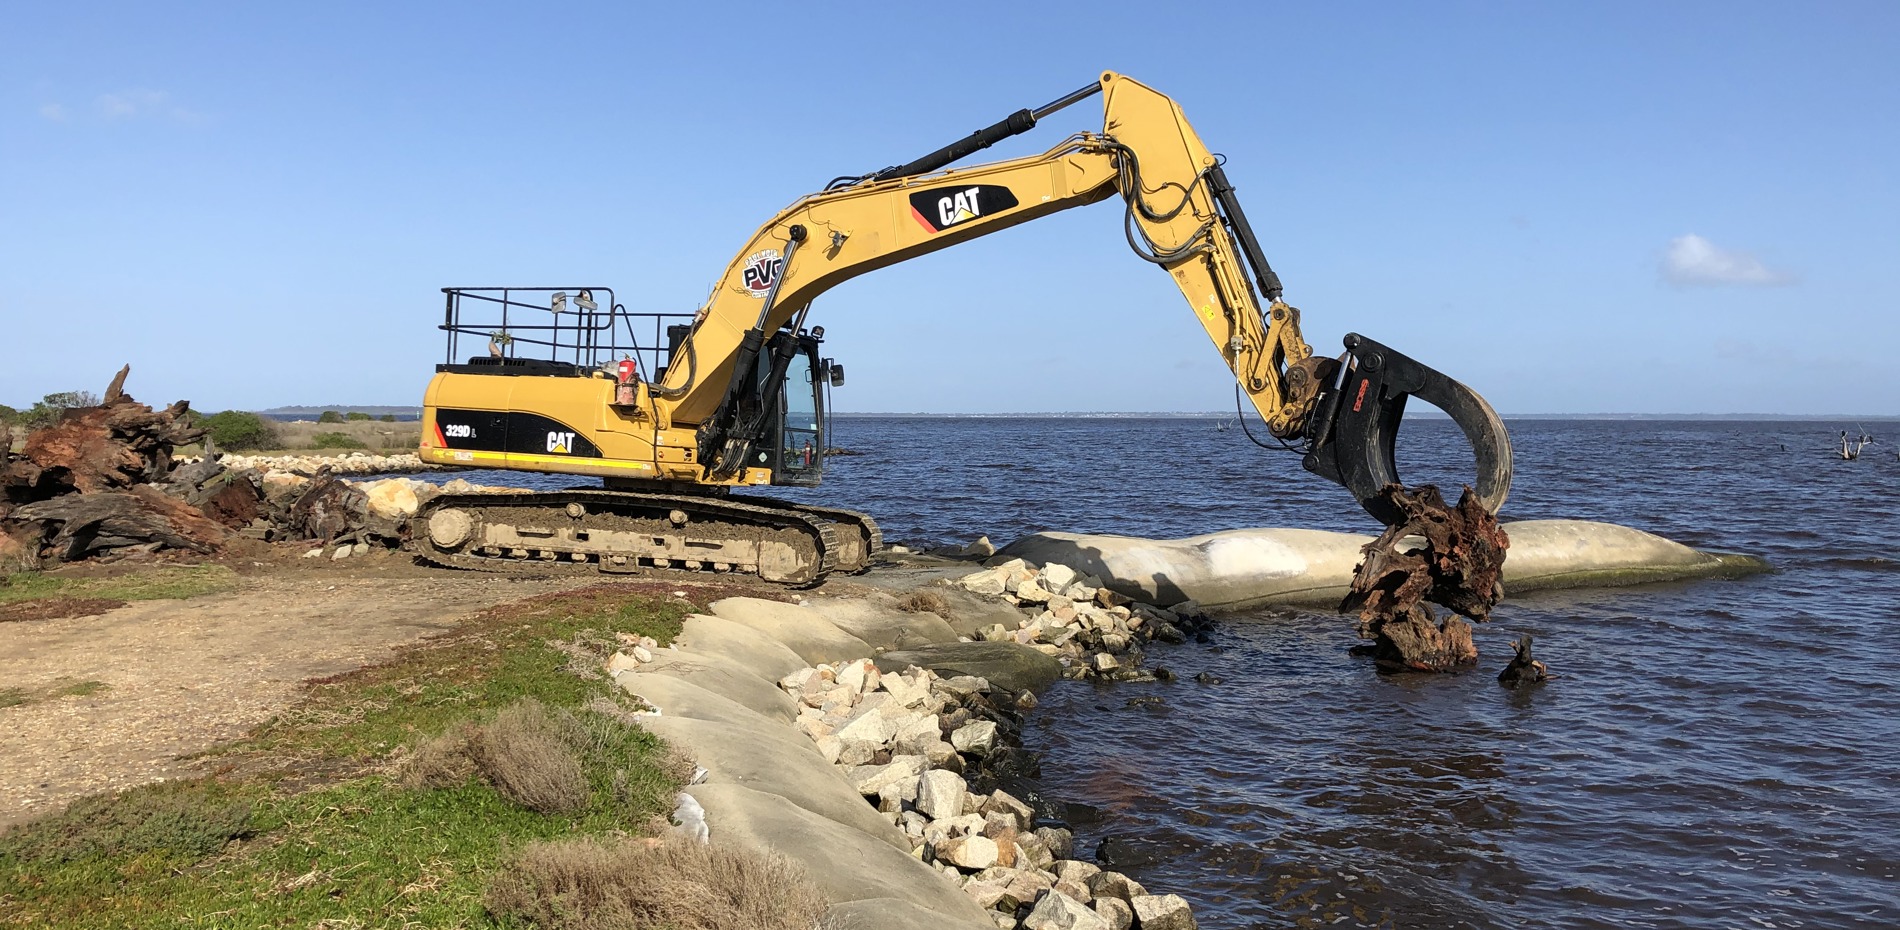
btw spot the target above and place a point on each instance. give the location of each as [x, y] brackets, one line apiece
[905, 740]
[355, 463]
[1092, 630]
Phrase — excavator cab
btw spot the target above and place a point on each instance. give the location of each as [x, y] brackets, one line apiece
[794, 450]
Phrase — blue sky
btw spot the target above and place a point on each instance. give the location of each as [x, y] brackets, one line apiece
[1680, 207]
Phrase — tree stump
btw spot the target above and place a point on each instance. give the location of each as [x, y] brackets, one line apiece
[1444, 555]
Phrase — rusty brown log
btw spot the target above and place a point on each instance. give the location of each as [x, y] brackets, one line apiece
[1451, 556]
[75, 526]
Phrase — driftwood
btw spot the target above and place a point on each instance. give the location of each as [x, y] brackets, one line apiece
[116, 445]
[1524, 669]
[327, 509]
[75, 526]
[1456, 564]
[102, 480]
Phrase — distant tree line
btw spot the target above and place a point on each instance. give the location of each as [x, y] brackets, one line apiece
[232, 430]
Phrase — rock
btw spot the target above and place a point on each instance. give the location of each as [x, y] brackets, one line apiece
[982, 548]
[1074, 890]
[975, 737]
[1169, 633]
[1059, 840]
[316, 553]
[906, 692]
[917, 735]
[803, 630]
[341, 553]
[392, 499]
[989, 583]
[1114, 885]
[871, 726]
[968, 852]
[860, 676]
[1029, 592]
[869, 780]
[1075, 870]
[1115, 912]
[1056, 577]
[960, 686]
[621, 662]
[1103, 663]
[941, 755]
[1162, 912]
[1057, 911]
[940, 796]
[1002, 802]
[1005, 665]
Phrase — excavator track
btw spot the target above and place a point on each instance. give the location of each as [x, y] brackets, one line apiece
[622, 532]
[860, 547]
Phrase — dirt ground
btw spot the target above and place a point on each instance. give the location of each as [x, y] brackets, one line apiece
[181, 676]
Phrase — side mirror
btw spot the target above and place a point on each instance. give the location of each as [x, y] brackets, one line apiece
[837, 375]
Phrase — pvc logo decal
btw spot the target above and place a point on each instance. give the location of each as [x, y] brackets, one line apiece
[560, 442]
[940, 208]
[761, 269]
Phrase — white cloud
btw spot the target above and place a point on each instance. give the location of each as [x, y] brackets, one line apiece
[140, 102]
[1692, 261]
[53, 111]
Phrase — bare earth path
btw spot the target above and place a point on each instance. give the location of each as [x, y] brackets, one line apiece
[182, 676]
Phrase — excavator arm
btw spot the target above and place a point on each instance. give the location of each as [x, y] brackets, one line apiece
[1180, 213]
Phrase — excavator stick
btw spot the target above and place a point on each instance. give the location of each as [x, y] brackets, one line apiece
[1353, 433]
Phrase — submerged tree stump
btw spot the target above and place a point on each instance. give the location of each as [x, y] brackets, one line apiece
[1451, 556]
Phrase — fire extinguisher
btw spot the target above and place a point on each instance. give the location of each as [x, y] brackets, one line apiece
[628, 373]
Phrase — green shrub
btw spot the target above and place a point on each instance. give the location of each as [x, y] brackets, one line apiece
[330, 416]
[388, 418]
[9, 415]
[336, 441]
[187, 821]
[356, 416]
[238, 431]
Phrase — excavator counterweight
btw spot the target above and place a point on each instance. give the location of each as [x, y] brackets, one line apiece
[735, 395]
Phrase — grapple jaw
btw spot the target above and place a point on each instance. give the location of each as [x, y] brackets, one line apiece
[1354, 428]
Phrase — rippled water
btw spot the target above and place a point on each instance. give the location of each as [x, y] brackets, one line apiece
[1714, 754]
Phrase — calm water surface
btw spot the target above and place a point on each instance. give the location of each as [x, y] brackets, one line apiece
[1715, 754]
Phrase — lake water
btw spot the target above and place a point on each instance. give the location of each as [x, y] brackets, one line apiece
[1712, 754]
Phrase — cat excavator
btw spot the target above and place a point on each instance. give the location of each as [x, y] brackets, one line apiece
[685, 416]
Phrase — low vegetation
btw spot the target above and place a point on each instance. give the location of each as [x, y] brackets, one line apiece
[166, 582]
[238, 431]
[416, 792]
[621, 884]
[336, 441]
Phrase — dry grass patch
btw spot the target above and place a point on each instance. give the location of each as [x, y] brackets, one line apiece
[526, 755]
[924, 601]
[675, 883]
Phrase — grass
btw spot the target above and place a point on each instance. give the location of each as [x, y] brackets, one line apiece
[167, 582]
[311, 822]
[15, 697]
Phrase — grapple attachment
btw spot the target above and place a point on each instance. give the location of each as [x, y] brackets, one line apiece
[1354, 428]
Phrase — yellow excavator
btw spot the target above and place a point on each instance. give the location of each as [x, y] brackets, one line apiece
[680, 414]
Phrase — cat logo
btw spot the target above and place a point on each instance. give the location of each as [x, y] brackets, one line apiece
[560, 442]
[940, 208]
[761, 269]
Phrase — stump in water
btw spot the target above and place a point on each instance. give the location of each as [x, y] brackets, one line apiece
[1456, 563]
[1523, 670]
